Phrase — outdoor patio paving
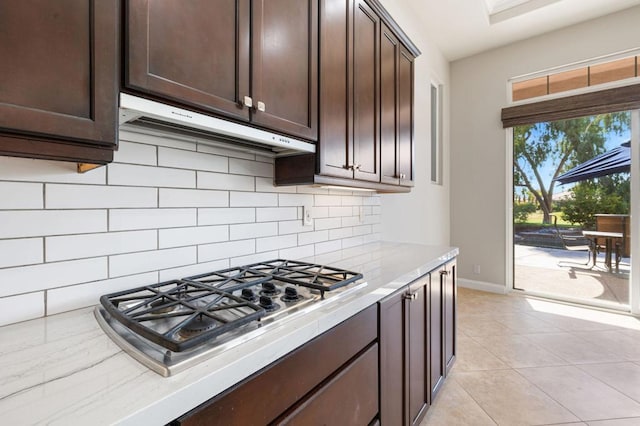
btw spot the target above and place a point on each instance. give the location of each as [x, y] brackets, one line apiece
[562, 273]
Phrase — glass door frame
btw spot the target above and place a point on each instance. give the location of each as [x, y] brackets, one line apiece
[634, 276]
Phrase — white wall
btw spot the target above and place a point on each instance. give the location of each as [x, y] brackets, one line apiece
[421, 216]
[478, 142]
[163, 209]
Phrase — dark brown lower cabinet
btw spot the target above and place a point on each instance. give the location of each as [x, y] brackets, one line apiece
[417, 345]
[333, 379]
[443, 323]
[404, 381]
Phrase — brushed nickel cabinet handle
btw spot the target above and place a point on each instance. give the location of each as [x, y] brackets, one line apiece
[248, 102]
[411, 296]
[261, 106]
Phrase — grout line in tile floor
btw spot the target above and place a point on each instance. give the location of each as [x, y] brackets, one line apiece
[564, 380]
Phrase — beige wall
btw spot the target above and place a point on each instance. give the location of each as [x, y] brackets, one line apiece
[478, 142]
[423, 215]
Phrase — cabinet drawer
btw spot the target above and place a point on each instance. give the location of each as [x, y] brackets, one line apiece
[263, 397]
[350, 398]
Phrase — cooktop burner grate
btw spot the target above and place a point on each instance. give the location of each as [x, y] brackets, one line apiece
[180, 315]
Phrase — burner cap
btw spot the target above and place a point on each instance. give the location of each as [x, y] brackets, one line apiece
[197, 325]
[269, 289]
[161, 306]
[248, 294]
[268, 304]
[290, 295]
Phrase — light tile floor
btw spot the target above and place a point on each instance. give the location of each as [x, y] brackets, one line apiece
[526, 361]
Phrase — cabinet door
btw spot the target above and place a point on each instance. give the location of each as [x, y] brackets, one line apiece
[450, 297]
[418, 399]
[436, 333]
[335, 154]
[389, 84]
[58, 78]
[405, 118]
[284, 73]
[392, 359]
[192, 52]
[366, 107]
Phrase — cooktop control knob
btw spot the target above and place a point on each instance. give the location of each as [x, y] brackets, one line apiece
[248, 294]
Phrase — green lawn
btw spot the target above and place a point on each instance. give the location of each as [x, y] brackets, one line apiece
[536, 218]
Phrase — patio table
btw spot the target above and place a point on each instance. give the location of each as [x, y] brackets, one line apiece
[608, 237]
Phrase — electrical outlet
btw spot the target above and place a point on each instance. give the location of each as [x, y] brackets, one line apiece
[476, 269]
[307, 217]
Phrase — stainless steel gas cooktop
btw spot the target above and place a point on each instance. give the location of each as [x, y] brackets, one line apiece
[173, 325]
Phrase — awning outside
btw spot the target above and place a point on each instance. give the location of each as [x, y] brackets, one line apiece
[617, 160]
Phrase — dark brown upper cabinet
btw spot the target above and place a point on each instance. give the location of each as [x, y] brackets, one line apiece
[396, 110]
[366, 102]
[349, 99]
[59, 79]
[253, 61]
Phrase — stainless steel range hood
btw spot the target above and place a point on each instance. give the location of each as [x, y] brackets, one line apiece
[146, 116]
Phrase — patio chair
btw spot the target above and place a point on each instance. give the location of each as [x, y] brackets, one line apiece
[576, 243]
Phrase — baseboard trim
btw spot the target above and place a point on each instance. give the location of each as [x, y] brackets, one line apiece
[482, 286]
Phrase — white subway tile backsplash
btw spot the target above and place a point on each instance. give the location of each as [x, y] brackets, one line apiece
[181, 159]
[254, 258]
[21, 308]
[20, 195]
[351, 221]
[36, 223]
[252, 230]
[94, 197]
[362, 230]
[25, 251]
[226, 216]
[250, 168]
[193, 198]
[127, 264]
[340, 211]
[312, 237]
[82, 295]
[329, 223]
[93, 245]
[340, 233]
[130, 219]
[207, 180]
[266, 185]
[136, 153]
[352, 242]
[328, 200]
[294, 200]
[188, 271]
[179, 237]
[225, 152]
[253, 199]
[275, 243]
[292, 227]
[168, 140]
[274, 214]
[373, 200]
[265, 159]
[127, 174]
[297, 252]
[27, 279]
[28, 170]
[328, 246]
[168, 207]
[226, 250]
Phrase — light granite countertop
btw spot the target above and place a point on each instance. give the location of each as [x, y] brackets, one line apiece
[65, 370]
